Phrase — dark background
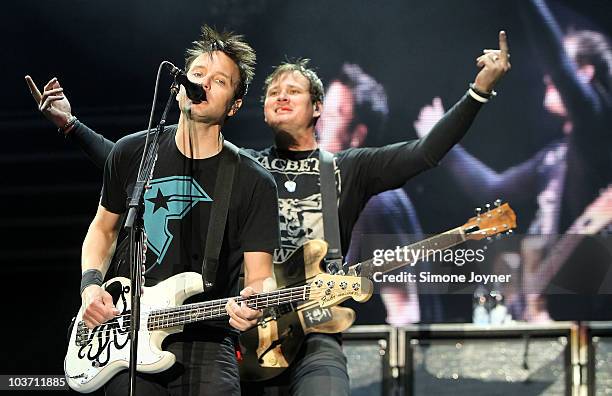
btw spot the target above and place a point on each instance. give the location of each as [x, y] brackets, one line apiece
[106, 54]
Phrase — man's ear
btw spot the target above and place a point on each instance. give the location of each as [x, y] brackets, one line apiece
[180, 94]
[318, 109]
[235, 106]
[358, 137]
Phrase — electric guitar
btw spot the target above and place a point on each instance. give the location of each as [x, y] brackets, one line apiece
[95, 355]
[269, 348]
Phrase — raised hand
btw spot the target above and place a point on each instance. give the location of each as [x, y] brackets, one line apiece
[52, 102]
[494, 64]
[428, 117]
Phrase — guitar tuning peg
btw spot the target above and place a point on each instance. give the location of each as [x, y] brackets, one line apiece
[510, 232]
[497, 203]
[498, 237]
[478, 211]
[488, 206]
[489, 239]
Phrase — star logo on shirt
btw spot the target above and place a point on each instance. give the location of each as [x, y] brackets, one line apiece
[160, 201]
[177, 195]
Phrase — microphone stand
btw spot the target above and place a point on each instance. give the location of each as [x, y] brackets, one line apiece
[135, 224]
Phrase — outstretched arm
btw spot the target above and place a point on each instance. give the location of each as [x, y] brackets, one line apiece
[580, 99]
[54, 105]
[412, 157]
[474, 176]
[455, 123]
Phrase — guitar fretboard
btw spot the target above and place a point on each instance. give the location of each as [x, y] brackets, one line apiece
[427, 247]
[196, 312]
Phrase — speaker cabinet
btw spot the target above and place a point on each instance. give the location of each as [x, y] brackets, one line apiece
[370, 352]
[474, 360]
[599, 363]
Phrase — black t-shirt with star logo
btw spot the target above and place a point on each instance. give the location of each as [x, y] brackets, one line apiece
[177, 210]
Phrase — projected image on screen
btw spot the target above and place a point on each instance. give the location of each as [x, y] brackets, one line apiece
[354, 115]
[565, 272]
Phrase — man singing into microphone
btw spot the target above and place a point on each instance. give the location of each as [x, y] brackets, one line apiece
[186, 171]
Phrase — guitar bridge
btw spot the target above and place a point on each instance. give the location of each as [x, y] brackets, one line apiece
[82, 334]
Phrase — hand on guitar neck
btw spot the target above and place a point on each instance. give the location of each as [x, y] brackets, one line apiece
[241, 316]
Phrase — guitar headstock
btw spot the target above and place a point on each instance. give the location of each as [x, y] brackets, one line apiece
[495, 220]
[330, 290]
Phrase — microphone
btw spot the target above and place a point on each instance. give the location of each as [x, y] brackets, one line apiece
[195, 92]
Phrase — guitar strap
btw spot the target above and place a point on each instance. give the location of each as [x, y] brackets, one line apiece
[329, 203]
[230, 157]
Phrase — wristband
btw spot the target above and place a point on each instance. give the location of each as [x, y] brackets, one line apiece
[91, 277]
[71, 121]
[480, 96]
[477, 97]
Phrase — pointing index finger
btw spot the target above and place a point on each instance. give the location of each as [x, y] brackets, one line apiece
[33, 89]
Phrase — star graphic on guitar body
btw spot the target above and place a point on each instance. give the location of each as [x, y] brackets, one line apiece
[160, 201]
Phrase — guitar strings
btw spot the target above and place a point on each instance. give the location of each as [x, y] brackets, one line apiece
[185, 314]
[175, 321]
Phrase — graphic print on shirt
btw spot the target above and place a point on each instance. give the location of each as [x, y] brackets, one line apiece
[300, 221]
[300, 212]
[168, 198]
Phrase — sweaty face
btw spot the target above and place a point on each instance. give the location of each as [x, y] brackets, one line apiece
[219, 76]
[288, 105]
[334, 125]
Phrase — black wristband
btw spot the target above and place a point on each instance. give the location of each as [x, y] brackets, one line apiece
[71, 121]
[91, 277]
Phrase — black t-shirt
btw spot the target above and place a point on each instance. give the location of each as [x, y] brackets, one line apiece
[360, 173]
[177, 210]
